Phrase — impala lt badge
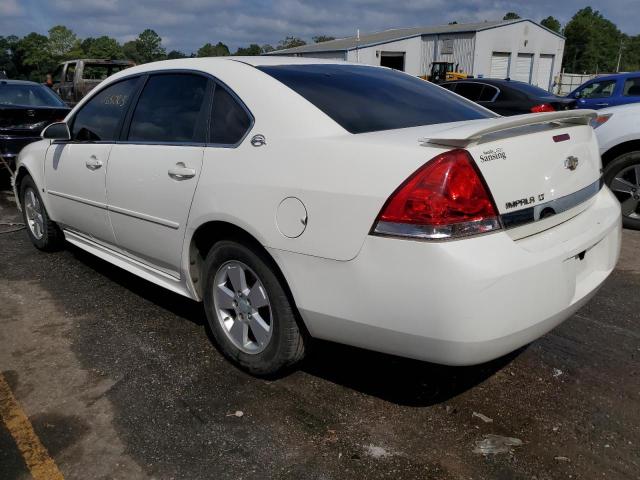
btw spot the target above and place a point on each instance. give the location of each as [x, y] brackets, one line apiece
[571, 163]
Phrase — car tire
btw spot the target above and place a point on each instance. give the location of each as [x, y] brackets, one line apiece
[253, 320]
[622, 176]
[43, 232]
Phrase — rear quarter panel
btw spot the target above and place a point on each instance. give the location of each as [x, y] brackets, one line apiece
[342, 181]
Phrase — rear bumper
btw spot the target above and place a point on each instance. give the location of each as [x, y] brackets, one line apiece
[10, 146]
[459, 302]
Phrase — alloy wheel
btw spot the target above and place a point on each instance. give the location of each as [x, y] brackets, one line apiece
[33, 211]
[626, 186]
[242, 307]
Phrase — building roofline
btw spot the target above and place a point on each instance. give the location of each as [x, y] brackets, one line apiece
[424, 32]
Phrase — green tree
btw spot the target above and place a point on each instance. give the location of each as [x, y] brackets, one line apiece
[511, 16]
[132, 52]
[7, 54]
[253, 49]
[34, 55]
[63, 43]
[217, 50]
[630, 61]
[551, 23]
[322, 38]
[173, 54]
[150, 46]
[103, 48]
[290, 42]
[266, 48]
[592, 43]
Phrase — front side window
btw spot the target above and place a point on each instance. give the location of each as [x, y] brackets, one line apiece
[632, 87]
[57, 74]
[368, 99]
[99, 119]
[70, 73]
[169, 109]
[602, 89]
[229, 121]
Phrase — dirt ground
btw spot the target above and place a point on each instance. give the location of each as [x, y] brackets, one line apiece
[120, 381]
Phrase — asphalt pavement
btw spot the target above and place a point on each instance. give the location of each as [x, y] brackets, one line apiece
[118, 379]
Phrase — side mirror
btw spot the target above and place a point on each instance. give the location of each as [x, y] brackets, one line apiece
[56, 131]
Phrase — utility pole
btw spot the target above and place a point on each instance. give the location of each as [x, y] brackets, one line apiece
[619, 56]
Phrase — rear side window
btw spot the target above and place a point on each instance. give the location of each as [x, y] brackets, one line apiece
[468, 90]
[488, 93]
[632, 87]
[367, 99]
[99, 119]
[169, 109]
[229, 121]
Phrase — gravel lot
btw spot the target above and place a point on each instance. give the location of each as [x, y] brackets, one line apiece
[120, 381]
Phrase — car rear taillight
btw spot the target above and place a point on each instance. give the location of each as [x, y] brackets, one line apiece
[543, 107]
[446, 198]
[600, 120]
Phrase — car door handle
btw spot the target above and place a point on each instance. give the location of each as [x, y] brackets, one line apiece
[93, 163]
[181, 172]
[602, 104]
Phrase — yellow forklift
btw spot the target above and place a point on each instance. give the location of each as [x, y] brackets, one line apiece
[444, 72]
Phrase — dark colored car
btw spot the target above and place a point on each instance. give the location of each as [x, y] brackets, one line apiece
[25, 109]
[608, 91]
[509, 97]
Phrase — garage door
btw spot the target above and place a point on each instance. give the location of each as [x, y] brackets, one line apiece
[499, 65]
[545, 70]
[524, 62]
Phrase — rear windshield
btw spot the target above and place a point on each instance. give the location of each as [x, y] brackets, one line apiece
[368, 99]
[28, 95]
[529, 89]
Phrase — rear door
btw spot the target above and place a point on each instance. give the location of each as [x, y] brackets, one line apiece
[75, 171]
[154, 170]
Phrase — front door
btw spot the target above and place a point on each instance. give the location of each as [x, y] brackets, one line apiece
[154, 171]
[75, 171]
[597, 94]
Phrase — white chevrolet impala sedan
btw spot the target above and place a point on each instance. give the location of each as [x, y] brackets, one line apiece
[300, 199]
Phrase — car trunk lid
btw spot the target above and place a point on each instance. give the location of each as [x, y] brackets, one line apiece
[536, 166]
[28, 121]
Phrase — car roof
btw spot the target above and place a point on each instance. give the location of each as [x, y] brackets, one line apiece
[6, 81]
[614, 76]
[490, 81]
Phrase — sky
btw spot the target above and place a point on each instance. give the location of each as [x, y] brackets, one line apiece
[188, 24]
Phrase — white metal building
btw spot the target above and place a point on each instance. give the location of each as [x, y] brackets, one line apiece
[519, 49]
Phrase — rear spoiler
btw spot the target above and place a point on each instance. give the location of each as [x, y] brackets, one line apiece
[473, 132]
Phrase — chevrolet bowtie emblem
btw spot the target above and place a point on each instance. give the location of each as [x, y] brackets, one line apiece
[571, 163]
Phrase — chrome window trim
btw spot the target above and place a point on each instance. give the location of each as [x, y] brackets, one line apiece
[127, 119]
[458, 82]
[559, 205]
